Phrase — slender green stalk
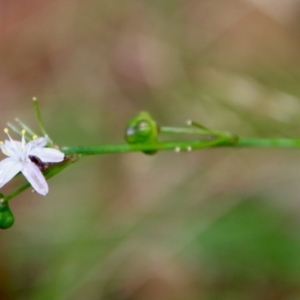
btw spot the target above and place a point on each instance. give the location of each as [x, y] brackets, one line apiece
[39, 119]
[193, 130]
[123, 148]
[16, 192]
[185, 145]
[271, 143]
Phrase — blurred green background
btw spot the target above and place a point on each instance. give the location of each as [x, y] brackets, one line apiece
[212, 224]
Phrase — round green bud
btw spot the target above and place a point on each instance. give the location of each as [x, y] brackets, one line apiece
[7, 219]
[141, 129]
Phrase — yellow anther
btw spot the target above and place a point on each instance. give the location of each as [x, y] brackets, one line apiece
[34, 98]
[34, 137]
[1, 143]
[23, 132]
[4, 151]
[5, 130]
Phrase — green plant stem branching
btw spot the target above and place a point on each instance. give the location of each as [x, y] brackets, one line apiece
[214, 140]
[142, 135]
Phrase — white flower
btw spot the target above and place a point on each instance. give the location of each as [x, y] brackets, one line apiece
[18, 160]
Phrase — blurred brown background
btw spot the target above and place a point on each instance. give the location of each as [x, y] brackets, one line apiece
[212, 224]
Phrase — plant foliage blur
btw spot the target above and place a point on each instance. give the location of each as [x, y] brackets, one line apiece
[211, 224]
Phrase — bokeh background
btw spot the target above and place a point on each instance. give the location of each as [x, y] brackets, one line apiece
[211, 224]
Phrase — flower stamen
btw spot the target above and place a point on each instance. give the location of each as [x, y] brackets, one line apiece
[7, 133]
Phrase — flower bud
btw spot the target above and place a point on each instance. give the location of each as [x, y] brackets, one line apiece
[142, 129]
[7, 219]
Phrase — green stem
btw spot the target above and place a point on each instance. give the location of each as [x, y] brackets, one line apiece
[268, 143]
[39, 119]
[193, 130]
[185, 145]
[123, 148]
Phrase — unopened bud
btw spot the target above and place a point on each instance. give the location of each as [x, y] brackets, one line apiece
[142, 129]
[7, 219]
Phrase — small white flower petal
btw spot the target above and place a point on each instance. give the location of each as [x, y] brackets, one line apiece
[11, 148]
[39, 142]
[9, 168]
[35, 178]
[47, 154]
[36, 143]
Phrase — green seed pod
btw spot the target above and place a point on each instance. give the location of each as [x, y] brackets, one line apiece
[142, 129]
[7, 219]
